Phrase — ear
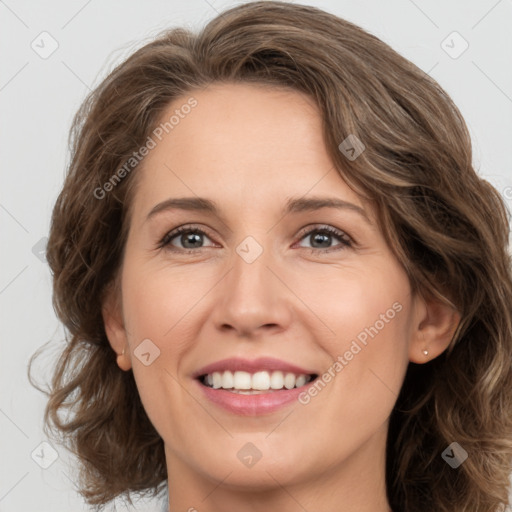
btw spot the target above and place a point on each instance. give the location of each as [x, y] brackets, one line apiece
[433, 330]
[114, 326]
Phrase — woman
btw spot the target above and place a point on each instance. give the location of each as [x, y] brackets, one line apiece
[284, 283]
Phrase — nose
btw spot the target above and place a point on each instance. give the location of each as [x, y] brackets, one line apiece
[253, 299]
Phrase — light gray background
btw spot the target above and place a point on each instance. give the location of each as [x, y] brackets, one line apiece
[38, 97]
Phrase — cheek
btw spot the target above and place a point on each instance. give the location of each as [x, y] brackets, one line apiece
[157, 312]
[352, 304]
[368, 315]
[158, 303]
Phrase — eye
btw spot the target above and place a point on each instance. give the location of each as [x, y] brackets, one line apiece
[322, 237]
[189, 237]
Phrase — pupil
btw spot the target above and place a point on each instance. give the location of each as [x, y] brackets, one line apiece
[185, 239]
[195, 240]
[322, 237]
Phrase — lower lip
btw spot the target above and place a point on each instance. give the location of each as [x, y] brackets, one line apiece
[252, 405]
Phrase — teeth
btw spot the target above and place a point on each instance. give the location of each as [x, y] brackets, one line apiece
[289, 381]
[241, 380]
[227, 380]
[261, 381]
[277, 380]
[217, 380]
[301, 380]
[246, 383]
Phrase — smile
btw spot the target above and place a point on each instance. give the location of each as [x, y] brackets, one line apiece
[253, 388]
[258, 382]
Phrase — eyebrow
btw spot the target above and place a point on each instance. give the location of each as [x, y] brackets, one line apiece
[293, 205]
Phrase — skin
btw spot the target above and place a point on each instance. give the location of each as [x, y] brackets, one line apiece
[250, 148]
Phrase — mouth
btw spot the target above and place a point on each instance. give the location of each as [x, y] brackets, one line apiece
[254, 383]
[253, 387]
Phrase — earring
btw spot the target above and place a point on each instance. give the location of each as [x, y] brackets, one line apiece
[122, 361]
[425, 352]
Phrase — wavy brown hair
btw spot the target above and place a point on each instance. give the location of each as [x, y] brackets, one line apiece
[448, 227]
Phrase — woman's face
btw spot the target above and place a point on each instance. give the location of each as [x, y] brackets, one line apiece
[260, 277]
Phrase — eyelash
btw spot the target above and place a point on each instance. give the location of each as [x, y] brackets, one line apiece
[346, 241]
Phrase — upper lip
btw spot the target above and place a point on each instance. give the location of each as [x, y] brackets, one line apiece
[234, 364]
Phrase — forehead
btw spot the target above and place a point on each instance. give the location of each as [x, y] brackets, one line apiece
[241, 144]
